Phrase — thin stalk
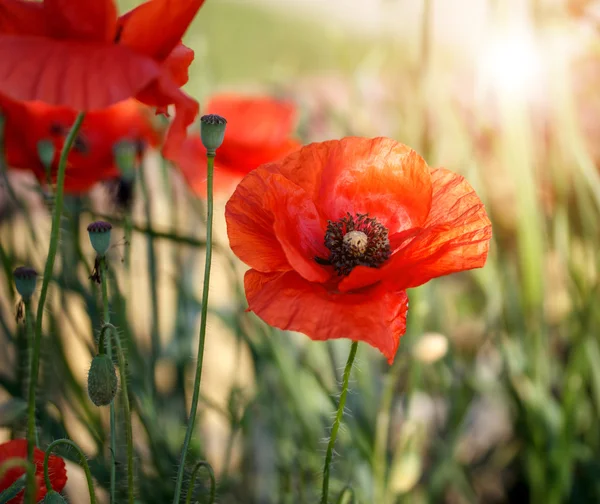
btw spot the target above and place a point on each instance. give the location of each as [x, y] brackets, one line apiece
[113, 437]
[197, 379]
[213, 483]
[126, 406]
[337, 422]
[29, 330]
[29, 467]
[54, 237]
[84, 464]
[154, 334]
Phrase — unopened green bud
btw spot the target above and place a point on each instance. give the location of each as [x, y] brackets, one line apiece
[46, 152]
[99, 232]
[212, 131]
[102, 380]
[125, 155]
[53, 497]
[25, 281]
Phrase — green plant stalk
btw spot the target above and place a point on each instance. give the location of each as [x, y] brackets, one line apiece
[192, 420]
[126, 406]
[112, 420]
[29, 329]
[347, 490]
[84, 464]
[337, 422]
[54, 237]
[213, 483]
[29, 467]
[154, 335]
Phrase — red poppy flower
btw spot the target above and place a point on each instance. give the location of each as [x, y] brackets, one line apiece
[336, 232]
[258, 131]
[17, 448]
[82, 56]
[92, 156]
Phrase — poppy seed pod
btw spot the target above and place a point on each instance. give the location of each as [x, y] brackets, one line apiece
[53, 497]
[102, 380]
[212, 131]
[25, 281]
[99, 232]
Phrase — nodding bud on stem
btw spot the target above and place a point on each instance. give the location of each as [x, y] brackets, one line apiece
[102, 380]
[53, 497]
[46, 151]
[99, 232]
[25, 281]
[212, 132]
[125, 156]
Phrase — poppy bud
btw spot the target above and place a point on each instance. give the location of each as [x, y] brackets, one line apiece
[99, 232]
[125, 155]
[45, 149]
[102, 380]
[212, 131]
[25, 281]
[53, 497]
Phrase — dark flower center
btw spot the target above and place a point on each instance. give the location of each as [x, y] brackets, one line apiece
[355, 241]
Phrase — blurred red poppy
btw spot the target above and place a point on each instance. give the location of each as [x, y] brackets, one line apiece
[82, 56]
[259, 130]
[17, 448]
[92, 157]
[336, 232]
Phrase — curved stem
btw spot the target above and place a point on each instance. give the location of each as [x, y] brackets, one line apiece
[84, 463]
[54, 236]
[106, 320]
[126, 407]
[346, 490]
[29, 467]
[197, 379]
[337, 422]
[213, 483]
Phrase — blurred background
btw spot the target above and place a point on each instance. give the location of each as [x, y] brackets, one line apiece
[494, 396]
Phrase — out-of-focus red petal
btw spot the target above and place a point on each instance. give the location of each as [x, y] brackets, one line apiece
[19, 17]
[253, 122]
[17, 448]
[177, 64]
[90, 20]
[378, 176]
[72, 74]
[272, 226]
[157, 26]
[288, 301]
[242, 158]
[454, 238]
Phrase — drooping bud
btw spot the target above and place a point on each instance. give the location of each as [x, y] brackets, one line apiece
[25, 281]
[53, 497]
[46, 151]
[99, 232]
[212, 132]
[102, 380]
[125, 153]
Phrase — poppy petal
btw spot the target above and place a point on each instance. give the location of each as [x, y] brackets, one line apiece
[379, 176]
[157, 26]
[289, 302]
[72, 74]
[95, 20]
[273, 226]
[178, 63]
[454, 238]
[241, 158]
[17, 448]
[18, 17]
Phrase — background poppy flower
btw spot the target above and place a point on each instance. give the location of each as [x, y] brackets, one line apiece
[92, 156]
[17, 448]
[258, 131]
[82, 56]
[336, 232]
